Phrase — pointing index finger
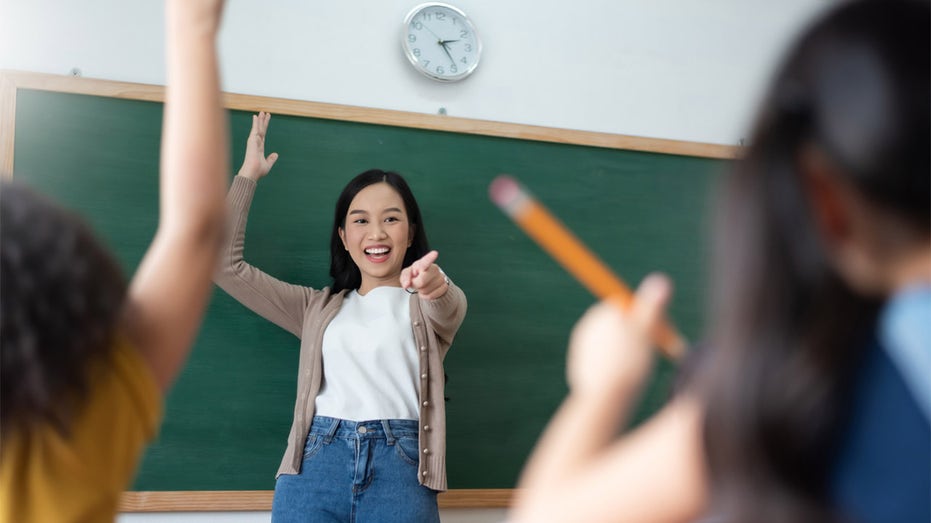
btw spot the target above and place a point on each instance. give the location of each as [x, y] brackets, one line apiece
[425, 262]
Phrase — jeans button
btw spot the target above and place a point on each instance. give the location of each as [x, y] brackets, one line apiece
[363, 430]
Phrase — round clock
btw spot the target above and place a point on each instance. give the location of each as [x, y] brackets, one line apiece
[440, 41]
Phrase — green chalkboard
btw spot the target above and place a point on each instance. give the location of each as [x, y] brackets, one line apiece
[228, 417]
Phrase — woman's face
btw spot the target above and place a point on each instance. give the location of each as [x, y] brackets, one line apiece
[377, 234]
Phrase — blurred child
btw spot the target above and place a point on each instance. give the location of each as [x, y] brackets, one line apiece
[85, 358]
[812, 401]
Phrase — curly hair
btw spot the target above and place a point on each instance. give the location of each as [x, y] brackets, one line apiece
[60, 296]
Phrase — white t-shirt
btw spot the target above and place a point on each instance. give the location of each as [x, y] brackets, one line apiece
[370, 360]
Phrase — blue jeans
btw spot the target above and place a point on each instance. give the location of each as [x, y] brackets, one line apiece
[356, 472]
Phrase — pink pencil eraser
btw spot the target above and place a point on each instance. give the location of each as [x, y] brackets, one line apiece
[504, 190]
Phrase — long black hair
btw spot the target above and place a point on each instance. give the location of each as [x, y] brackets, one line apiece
[788, 330]
[61, 293]
[343, 270]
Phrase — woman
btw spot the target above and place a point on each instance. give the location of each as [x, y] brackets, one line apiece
[85, 359]
[811, 402]
[370, 378]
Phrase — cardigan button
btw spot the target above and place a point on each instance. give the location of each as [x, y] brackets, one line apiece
[423, 376]
[424, 473]
[426, 428]
[416, 323]
[426, 451]
[426, 404]
[423, 348]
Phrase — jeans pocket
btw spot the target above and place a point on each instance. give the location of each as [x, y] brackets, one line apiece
[408, 449]
[313, 444]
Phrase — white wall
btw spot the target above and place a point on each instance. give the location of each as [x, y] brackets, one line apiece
[677, 69]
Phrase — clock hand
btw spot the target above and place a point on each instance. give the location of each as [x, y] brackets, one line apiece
[446, 49]
[438, 39]
[442, 43]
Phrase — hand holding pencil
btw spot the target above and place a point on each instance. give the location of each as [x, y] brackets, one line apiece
[609, 353]
[566, 249]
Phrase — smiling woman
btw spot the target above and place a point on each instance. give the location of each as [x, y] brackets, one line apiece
[377, 231]
[370, 378]
[373, 237]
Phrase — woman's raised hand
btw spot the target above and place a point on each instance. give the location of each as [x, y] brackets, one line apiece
[425, 277]
[256, 165]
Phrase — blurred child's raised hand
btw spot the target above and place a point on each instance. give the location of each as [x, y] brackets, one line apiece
[609, 350]
[202, 15]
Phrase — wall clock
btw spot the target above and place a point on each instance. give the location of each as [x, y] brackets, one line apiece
[440, 41]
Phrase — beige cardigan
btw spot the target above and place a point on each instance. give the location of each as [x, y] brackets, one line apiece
[305, 312]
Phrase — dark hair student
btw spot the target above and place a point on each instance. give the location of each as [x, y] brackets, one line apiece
[800, 303]
[344, 271]
[810, 399]
[86, 357]
[370, 373]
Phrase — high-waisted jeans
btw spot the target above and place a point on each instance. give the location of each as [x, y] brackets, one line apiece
[356, 472]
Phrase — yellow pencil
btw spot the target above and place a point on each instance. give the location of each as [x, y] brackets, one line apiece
[569, 251]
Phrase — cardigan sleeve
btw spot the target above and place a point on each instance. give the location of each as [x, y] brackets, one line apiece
[446, 313]
[279, 302]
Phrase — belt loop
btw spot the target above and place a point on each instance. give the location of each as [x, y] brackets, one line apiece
[334, 424]
[388, 435]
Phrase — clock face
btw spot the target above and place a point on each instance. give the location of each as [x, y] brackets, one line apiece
[440, 41]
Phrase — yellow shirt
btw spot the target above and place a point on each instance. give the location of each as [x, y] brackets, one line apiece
[48, 478]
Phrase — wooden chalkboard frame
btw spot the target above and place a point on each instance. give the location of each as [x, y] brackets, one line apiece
[260, 500]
